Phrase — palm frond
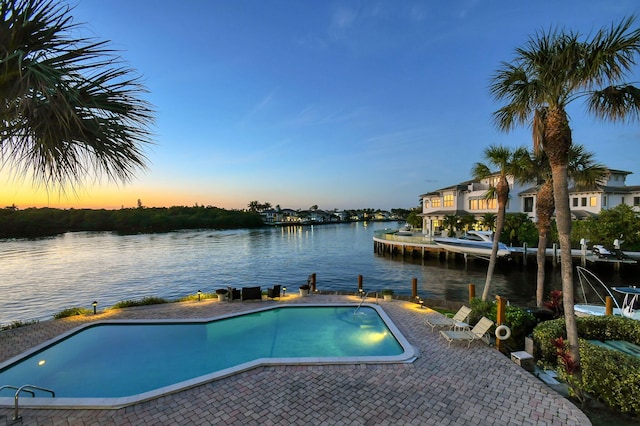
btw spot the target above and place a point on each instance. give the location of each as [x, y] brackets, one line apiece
[69, 107]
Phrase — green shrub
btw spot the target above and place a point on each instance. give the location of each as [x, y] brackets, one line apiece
[195, 297]
[611, 376]
[480, 308]
[17, 324]
[143, 302]
[543, 336]
[69, 312]
[520, 321]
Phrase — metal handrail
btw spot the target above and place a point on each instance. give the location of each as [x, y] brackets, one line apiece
[28, 389]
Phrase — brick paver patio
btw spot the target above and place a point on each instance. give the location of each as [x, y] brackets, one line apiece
[444, 386]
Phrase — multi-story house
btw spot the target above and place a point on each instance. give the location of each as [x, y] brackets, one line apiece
[469, 198]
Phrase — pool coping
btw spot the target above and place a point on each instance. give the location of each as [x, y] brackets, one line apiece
[409, 355]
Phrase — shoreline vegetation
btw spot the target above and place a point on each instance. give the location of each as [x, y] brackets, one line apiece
[48, 222]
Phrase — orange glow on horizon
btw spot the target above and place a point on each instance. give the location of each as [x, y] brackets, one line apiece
[111, 198]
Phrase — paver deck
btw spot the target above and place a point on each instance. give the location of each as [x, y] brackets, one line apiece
[444, 386]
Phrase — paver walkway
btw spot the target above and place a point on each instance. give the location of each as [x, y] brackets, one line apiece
[444, 386]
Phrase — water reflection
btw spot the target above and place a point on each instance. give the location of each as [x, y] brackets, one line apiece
[42, 277]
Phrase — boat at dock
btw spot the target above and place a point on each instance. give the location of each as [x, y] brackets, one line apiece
[630, 307]
[476, 243]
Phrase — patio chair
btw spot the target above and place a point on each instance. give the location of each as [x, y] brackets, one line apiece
[455, 321]
[251, 293]
[274, 292]
[476, 333]
[233, 293]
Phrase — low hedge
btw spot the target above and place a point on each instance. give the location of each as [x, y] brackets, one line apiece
[611, 376]
[520, 321]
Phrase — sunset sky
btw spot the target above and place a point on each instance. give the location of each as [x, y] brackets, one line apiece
[340, 104]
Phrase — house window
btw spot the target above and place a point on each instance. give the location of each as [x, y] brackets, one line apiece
[448, 200]
[492, 203]
[435, 202]
[583, 202]
[593, 202]
[528, 204]
[604, 201]
[473, 204]
[436, 224]
[575, 201]
[636, 201]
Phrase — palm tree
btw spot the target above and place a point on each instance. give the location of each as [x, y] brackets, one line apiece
[508, 163]
[553, 69]
[488, 221]
[582, 170]
[467, 221]
[68, 107]
[450, 222]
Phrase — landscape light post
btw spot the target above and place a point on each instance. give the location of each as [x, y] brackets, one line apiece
[199, 295]
[284, 291]
[95, 305]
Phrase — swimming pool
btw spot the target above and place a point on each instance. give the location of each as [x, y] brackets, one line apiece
[116, 363]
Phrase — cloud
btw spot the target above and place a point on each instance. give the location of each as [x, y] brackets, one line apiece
[311, 115]
[258, 107]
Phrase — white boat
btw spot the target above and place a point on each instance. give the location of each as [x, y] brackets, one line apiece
[477, 243]
[631, 302]
[630, 306]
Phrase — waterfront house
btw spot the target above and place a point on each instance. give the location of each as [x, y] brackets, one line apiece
[469, 198]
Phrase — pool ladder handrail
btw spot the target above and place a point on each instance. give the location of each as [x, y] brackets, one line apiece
[24, 388]
[363, 297]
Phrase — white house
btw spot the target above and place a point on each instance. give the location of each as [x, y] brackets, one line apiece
[468, 198]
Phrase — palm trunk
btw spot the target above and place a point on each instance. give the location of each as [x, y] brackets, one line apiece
[503, 196]
[557, 143]
[541, 259]
[544, 211]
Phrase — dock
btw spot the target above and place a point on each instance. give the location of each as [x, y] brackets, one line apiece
[419, 245]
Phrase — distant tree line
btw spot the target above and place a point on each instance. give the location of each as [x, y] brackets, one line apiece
[41, 222]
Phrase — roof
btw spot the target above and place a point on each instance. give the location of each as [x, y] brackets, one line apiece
[447, 213]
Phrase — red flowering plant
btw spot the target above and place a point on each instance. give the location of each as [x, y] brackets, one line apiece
[554, 303]
[570, 371]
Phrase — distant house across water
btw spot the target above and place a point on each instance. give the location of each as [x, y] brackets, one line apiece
[469, 198]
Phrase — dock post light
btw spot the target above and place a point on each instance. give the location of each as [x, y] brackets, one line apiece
[284, 291]
[95, 305]
[199, 295]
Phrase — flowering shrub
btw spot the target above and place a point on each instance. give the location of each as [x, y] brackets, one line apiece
[554, 303]
[569, 370]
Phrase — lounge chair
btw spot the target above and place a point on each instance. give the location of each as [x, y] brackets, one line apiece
[476, 333]
[274, 292]
[456, 321]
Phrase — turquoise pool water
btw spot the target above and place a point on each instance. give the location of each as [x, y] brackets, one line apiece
[115, 360]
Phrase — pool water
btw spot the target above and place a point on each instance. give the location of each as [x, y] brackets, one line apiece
[115, 360]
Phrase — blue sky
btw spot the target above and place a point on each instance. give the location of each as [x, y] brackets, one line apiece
[340, 104]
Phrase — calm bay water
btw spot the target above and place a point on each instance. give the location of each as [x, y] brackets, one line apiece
[41, 277]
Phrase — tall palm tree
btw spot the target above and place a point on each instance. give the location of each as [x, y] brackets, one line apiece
[68, 106]
[582, 170]
[508, 162]
[553, 69]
